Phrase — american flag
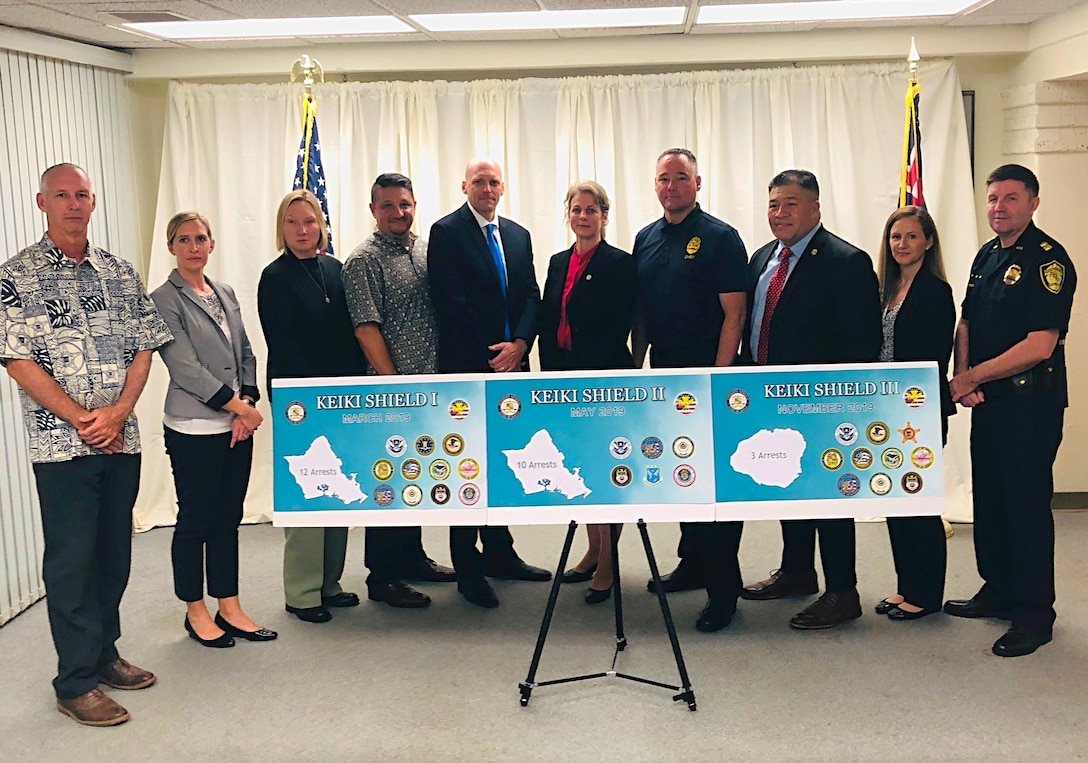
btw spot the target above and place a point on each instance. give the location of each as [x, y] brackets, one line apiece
[910, 179]
[309, 171]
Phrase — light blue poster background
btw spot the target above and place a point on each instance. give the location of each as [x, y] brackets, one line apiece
[891, 413]
[664, 419]
[366, 439]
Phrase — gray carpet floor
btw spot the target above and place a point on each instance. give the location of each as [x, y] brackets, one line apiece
[441, 684]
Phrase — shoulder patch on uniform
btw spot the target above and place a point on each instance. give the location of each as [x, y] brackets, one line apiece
[1053, 275]
[1045, 246]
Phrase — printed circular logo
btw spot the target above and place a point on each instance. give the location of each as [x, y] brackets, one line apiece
[469, 469]
[683, 447]
[620, 448]
[831, 459]
[396, 446]
[880, 483]
[921, 457]
[849, 484]
[686, 403]
[652, 447]
[424, 445]
[911, 482]
[737, 400]
[384, 495]
[878, 433]
[469, 494]
[412, 495]
[653, 475]
[892, 458]
[295, 412]
[459, 410]
[683, 475]
[453, 444]
[846, 434]
[411, 469]
[509, 406]
[440, 495]
[622, 476]
[914, 397]
[439, 469]
[861, 458]
[383, 469]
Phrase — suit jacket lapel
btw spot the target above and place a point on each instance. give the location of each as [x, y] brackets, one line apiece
[804, 264]
[234, 322]
[188, 292]
[477, 236]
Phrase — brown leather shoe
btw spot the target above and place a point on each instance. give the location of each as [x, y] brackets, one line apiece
[779, 585]
[829, 610]
[121, 674]
[93, 709]
[399, 595]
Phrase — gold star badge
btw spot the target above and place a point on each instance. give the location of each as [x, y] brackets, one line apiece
[910, 434]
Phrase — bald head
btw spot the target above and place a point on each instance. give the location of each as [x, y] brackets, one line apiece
[483, 186]
[61, 168]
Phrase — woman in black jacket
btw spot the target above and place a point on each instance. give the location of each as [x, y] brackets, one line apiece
[585, 319]
[919, 324]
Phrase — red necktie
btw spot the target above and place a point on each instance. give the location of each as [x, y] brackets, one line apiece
[774, 291]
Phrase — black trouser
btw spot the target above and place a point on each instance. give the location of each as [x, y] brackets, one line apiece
[211, 479]
[86, 506]
[468, 561]
[1014, 441]
[837, 551]
[391, 553]
[712, 552]
[920, 556]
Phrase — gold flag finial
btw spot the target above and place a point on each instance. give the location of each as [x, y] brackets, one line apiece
[913, 58]
[305, 69]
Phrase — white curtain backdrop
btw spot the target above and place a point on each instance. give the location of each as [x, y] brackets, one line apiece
[230, 152]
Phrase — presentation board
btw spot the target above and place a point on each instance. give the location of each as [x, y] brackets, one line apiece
[768, 442]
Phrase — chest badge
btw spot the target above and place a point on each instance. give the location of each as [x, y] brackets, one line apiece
[693, 247]
[1012, 275]
[1053, 275]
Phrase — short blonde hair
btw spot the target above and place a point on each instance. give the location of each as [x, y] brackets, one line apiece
[594, 189]
[301, 194]
[180, 219]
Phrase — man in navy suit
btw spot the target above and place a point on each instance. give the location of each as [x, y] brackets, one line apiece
[480, 269]
[813, 298]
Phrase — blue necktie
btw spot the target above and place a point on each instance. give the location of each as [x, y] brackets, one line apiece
[496, 254]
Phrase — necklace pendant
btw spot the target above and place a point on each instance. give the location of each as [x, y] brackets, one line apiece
[327, 301]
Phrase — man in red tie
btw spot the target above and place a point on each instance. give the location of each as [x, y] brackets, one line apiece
[813, 298]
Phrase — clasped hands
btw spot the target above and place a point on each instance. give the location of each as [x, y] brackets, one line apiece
[965, 390]
[243, 425]
[509, 357]
[101, 428]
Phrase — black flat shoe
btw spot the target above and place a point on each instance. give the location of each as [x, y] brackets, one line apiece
[219, 642]
[261, 634]
[342, 599]
[593, 596]
[884, 607]
[895, 613]
[310, 614]
[576, 576]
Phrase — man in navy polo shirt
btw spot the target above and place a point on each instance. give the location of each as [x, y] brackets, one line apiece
[692, 284]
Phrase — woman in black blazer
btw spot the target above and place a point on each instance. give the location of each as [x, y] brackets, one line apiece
[585, 320]
[919, 323]
[208, 423]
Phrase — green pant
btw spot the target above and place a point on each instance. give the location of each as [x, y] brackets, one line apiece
[313, 561]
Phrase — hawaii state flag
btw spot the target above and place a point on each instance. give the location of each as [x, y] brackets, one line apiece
[309, 172]
[910, 179]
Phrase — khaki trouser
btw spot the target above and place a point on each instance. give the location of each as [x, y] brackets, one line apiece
[313, 561]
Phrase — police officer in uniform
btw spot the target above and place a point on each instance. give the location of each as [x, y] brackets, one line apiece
[1010, 368]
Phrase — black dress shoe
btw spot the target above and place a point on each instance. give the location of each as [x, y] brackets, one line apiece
[516, 569]
[884, 607]
[683, 578]
[398, 594]
[831, 609]
[342, 599]
[1017, 642]
[310, 614]
[478, 592]
[430, 571]
[716, 615]
[575, 576]
[897, 613]
[780, 584]
[595, 596]
[974, 607]
[219, 642]
[261, 634]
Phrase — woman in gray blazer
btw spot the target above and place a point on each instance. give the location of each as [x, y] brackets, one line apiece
[209, 422]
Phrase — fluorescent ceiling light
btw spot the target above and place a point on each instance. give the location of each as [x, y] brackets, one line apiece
[829, 10]
[579, 19]
[257, 28]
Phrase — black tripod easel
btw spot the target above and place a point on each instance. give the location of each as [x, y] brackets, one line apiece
[686, 694]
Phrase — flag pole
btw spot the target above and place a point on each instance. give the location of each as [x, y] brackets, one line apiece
[306, 68]
[913, 58]
[910, 178]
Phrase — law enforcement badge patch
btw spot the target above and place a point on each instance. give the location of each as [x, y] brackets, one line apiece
[1053, 275]
[693, 245]
[1012, 275]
